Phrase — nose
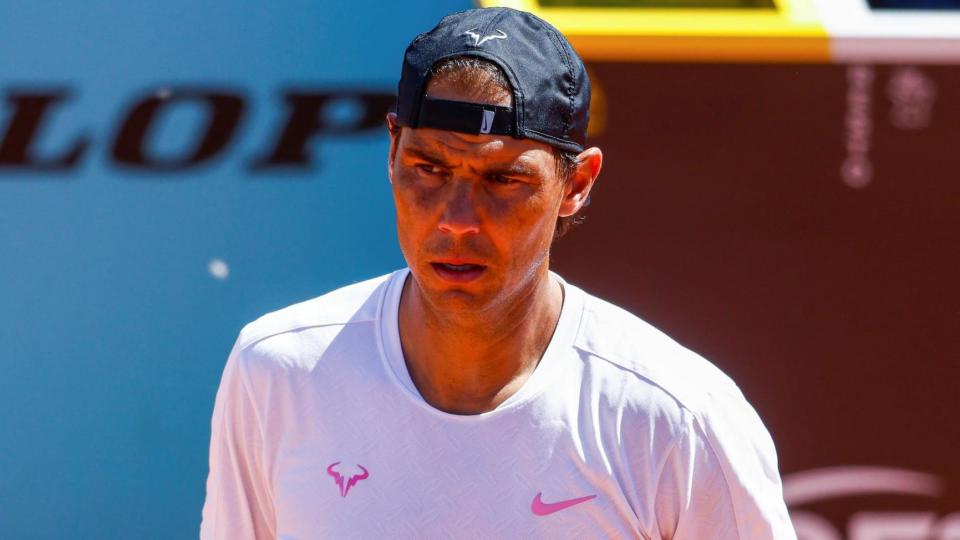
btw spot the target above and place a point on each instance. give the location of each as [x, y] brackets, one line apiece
[459, 215]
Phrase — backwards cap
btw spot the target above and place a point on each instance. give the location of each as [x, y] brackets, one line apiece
[551, 90]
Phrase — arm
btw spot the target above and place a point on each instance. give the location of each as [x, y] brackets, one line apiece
[721, 480]
[238, 503]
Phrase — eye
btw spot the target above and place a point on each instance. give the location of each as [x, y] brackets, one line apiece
[503, 180]
[429, 168]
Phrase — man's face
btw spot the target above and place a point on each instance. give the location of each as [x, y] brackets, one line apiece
[475, 213]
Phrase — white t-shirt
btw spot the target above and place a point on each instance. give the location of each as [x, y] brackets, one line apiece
[319, 432]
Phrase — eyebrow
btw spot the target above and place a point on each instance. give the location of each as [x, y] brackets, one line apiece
[513, 169]
[424, 155]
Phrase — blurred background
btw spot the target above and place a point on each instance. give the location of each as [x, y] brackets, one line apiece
[780, 193]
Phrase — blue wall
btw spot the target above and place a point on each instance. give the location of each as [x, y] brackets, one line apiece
[113, 329]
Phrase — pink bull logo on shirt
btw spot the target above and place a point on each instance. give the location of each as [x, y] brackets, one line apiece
[351, 480]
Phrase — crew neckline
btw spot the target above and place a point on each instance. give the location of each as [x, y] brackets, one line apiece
[391, 351]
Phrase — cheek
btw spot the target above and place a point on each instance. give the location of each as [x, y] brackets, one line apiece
[406, 216]
[413, 218]
[528, 229]
[411, 195]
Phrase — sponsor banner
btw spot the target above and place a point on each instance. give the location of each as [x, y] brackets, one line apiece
[889, 503]
[919, 31]
[798, 225]
[307, 116]
[168, 172]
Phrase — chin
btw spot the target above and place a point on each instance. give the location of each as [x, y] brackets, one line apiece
[452, 297]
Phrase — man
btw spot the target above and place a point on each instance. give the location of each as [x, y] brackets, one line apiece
[476, 394]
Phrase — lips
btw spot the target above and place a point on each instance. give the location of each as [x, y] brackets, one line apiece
[458, 271]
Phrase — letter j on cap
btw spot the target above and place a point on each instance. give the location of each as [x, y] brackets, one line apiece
[486, 124]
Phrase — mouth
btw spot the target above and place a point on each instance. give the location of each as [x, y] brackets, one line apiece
[458, 271]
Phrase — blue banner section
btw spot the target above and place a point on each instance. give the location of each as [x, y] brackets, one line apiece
[168, 172]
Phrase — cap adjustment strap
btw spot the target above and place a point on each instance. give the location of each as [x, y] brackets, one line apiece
[465, 117]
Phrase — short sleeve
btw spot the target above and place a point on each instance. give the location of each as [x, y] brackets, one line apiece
[720, 480]
[238, 504]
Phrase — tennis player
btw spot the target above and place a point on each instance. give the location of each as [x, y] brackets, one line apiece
[476, 394]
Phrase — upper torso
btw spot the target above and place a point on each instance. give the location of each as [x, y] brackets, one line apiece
[349, 449]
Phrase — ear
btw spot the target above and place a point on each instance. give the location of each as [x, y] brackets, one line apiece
[394, 129]
[577, 190]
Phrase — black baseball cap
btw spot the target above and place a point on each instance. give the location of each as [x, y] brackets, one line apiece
[551, 90]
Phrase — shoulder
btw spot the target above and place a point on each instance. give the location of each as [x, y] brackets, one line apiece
[685, 382]
[615, 335]
[286, 332]
[718, 424]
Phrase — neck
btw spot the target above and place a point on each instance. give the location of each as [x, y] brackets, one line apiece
[471, 363]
